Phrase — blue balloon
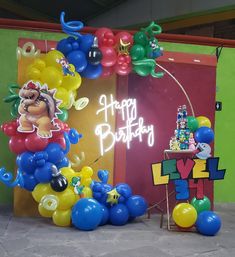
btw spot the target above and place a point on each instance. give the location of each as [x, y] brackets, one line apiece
[44, 174]
[136, 205]
[26, 162]
[87, 214]
[29, 182]
[124, 190]
[208, 223]
[204, 135]
[92, 71]
[78, 59]
[64, 46]
[63, 163]
[105, 215]
[103, 175]
[55, 153]
[118, 214]
[86, 41]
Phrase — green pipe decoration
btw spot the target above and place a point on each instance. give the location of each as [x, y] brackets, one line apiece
[13, 98]
[146, 67]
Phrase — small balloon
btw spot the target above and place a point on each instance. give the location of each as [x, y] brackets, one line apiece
[63, 116]
[109, 56]
[118, 215]
[78, 59]
[201, 204]
[203, 122]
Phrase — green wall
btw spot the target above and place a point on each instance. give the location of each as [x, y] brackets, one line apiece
[224, 129]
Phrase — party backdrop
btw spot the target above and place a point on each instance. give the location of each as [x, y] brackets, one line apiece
[224, 124]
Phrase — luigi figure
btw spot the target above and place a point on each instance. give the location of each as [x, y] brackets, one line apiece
[76, 183]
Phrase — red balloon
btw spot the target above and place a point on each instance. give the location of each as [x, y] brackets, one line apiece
[105, 37]
[34, 143]
[123, 65]
[17, 144]
[60, 140]
[107, 71]
[125, 37]
[109, 56]
[123, 69]
[10, 129]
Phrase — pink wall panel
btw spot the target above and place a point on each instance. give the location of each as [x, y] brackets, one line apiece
[157, 101]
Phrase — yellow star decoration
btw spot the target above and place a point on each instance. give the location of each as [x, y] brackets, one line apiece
[123, 47]
[113, 196]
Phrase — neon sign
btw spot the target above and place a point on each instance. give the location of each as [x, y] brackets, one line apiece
[134, 126]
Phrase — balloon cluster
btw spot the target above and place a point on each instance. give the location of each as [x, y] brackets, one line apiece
[197, 214]
[203, 134]
[118, 203]
[145, 50]
[80, 50]
[58, 204]
[104, 53]
[55, 71]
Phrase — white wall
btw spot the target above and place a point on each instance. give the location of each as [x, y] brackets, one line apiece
[140, 11]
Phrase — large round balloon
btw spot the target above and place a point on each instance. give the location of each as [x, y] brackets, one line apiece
[184, 215]
[87, 214]
[201, 204]
[118, 214]
[203, 122]
[204, 135]
[208, 223]
[192, 123]
[136, 205]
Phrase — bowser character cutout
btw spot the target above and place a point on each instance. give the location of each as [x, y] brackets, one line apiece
[38, 109]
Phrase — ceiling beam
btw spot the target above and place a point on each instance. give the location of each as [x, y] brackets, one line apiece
[24, 11]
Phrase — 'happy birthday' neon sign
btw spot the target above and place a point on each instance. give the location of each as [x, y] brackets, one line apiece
[134, 126]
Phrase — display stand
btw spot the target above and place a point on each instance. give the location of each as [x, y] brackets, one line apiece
[157, 206]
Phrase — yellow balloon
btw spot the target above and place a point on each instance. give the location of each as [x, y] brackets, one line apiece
[44, 212]
[71, 82]
[62, 218]
[52, 77]
[40, 190]
[184, 215]
[203, 121]
[87, 192]
[39, 64]
[87, 172]
[68, 173]
[52, 57]
[67, 199]
[63, 95]
[32, 73]
[86, 181]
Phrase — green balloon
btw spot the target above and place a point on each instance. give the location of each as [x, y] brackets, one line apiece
[64, 115]
[201, 205]
[192, 123]
[137, 52]
[140, 38]
[14, 108]
[142, 70]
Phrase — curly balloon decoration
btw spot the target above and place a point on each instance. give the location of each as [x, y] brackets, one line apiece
[7, 178]
[152, 29]
[71, 27]
[33, 52]
[72, 137]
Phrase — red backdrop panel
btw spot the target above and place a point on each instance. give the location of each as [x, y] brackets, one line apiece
[157, 102]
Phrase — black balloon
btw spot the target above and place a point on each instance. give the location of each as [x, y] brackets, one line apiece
[59, 183]
[94, 55]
